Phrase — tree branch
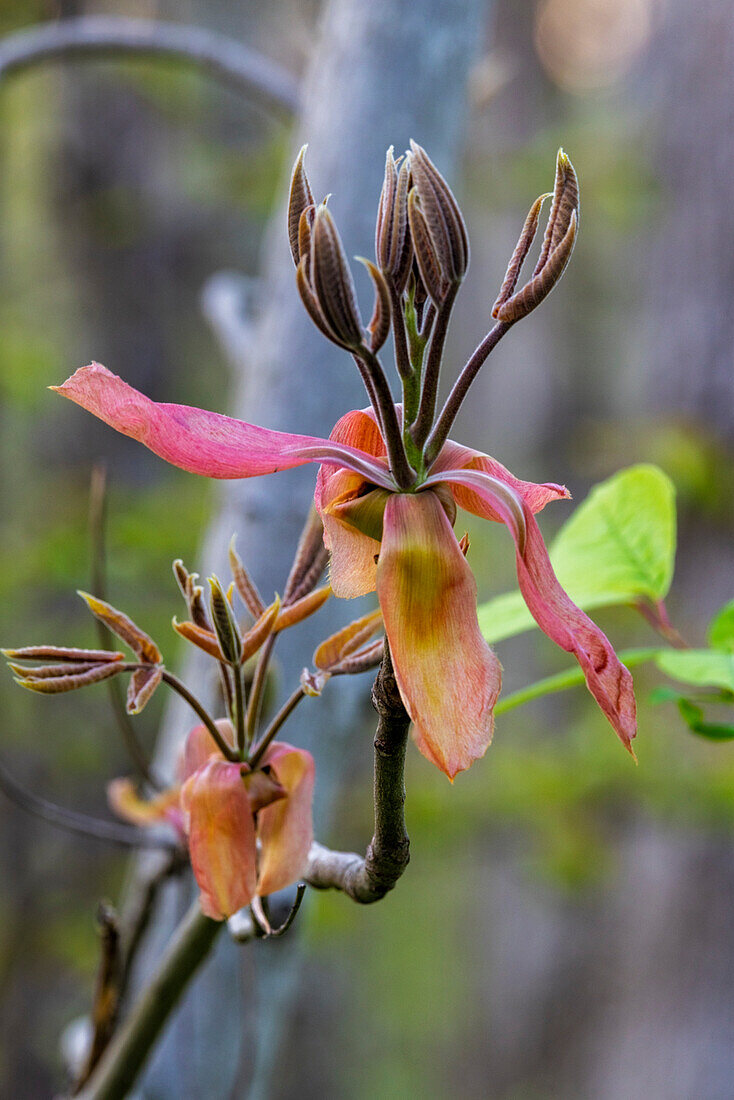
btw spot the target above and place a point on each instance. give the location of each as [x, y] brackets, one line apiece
[126, 1054]
[367, 879]
[221, 58]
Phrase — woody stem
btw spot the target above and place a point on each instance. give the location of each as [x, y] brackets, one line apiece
[121, 1063]
[368, 878]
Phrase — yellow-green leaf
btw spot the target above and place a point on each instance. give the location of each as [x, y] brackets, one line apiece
[617, 547]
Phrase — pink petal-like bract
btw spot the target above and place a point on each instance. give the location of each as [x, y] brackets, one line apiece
[200, 746]
[285, 828]
[125, 801]
[221, 838]
[454, 456]
[608, 680]
[447, 674]
[352, 568]
[204, 442]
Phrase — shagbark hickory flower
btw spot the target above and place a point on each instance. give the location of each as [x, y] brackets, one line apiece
[390, 479]
[249, 830]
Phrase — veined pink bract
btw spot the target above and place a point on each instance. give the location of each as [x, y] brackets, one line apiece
[399, 542]
[249, 832]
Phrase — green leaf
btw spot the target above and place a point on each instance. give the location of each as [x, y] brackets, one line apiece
[618, 546]
[702, 667]
[712, 731]
[721, 629]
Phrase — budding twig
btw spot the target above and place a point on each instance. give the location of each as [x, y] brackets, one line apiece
[80, 823]
[97, 532]
[368, 878]
[218, 56]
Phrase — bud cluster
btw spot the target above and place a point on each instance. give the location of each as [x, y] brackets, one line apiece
[421, 259]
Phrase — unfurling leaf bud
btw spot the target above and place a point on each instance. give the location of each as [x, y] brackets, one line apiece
[143, 683]
[198, 636]
[244, 583]
[362, 660]
[310, 559]
[439, 235]
[393, 248]
[140, 643]
[193, 593]
[558, 242]
[225, 625]
[379, 326]
[334, 651]
[299, 200]
[301, 609]
[260, 630]
[52, 680]
[332, 284]
[61, 653]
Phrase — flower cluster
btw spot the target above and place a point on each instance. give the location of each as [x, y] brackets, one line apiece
[390, 479]
[241, 803]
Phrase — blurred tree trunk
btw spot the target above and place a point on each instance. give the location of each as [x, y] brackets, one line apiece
[382, 72]
[689, 293]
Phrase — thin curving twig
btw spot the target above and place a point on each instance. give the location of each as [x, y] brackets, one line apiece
[224, 59]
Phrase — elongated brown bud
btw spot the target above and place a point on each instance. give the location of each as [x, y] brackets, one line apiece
[565, 203]
[540, 286]
[299, 198]
[424, 250]
[129, 632]
[61, 653]
[244, 583]
[393, 248]
[442, 216]
[360, 661]
[310, 559]
[51, 672]
[379, 326]
[332, 284]
[529, 229]
[71, 680]
[558, 242]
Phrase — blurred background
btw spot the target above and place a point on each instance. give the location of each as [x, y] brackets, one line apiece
[564, 929]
